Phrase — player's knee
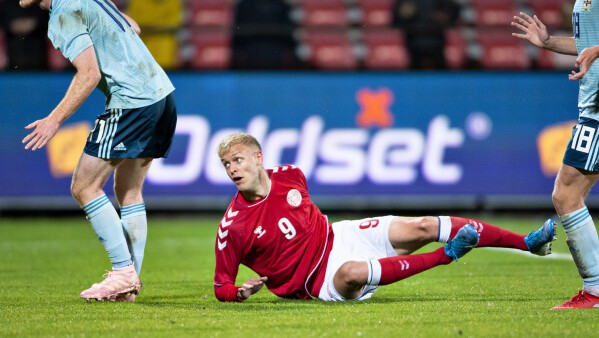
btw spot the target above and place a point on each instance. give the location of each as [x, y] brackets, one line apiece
[353, 273]
[127, 196]
[424, 228]
[565, 201]
[556, 198]
[76, 191]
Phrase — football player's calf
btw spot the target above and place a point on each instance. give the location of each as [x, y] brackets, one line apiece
[537, 242]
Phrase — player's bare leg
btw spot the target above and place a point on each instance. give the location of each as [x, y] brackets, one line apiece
[351, 278]
[90, 176]
[571, 188]
[408, 234]
[87, 188]
[129, 178]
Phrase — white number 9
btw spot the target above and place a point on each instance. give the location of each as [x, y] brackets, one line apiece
[287, 228]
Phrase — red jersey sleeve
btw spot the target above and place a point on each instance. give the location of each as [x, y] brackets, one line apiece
[228, 252]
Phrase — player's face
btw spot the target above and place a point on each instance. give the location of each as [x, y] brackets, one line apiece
[243, 165]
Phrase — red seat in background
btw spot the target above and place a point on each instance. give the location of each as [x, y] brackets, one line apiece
[209, 13]
[3, 55]
[385, 49]
[319, 13]
[493, 13]
[456, 49]
[329, 49]
[376, 13]
[211, 49]
[549, 11]
[500, 50]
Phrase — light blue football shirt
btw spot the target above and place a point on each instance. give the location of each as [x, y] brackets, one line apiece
[585, 20]
[131, 78]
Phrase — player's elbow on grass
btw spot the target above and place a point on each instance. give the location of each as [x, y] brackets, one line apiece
[227, 293]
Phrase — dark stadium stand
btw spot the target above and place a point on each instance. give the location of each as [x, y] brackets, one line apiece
[3, 58]
[347, 35]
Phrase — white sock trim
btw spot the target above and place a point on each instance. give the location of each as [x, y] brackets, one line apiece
[592, 289]
[444, 229]
[374, 272]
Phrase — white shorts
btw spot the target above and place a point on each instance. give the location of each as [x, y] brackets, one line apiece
[360, 240]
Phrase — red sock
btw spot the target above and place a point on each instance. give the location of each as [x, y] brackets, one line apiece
[396, 268]
[490, 235]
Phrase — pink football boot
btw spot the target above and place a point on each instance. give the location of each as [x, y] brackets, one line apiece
[117, 282]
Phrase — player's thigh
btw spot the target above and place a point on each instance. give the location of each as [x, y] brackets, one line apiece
[356, 241]
[90, 176]
[129, 179]
[408, 234]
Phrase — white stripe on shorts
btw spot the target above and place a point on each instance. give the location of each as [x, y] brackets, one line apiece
[107, 138]
[592, 159]
[105, 132]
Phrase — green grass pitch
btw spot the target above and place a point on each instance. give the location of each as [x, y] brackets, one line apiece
[46, 262]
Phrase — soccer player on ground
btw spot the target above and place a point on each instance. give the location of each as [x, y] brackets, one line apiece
[580, 168]
[272, 227]
[137, 125]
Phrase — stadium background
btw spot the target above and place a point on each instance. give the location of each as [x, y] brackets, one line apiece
[333, 86]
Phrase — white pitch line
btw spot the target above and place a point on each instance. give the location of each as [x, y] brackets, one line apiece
[553, 255]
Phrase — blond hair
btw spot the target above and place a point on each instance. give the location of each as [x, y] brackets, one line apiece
[232, 140]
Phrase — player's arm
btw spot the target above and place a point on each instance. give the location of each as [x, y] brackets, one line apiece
[533, 30]
[132, 22]
[228, 255]
[85, 80]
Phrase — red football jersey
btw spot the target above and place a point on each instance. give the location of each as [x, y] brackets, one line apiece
[283, 236]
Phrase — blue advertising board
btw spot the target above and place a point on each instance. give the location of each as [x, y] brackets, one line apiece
[363, 140]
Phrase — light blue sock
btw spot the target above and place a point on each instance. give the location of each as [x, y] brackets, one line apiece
[107, 225]
[581, 236]
[135, 226]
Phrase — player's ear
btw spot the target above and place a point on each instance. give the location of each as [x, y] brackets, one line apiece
[259, 158]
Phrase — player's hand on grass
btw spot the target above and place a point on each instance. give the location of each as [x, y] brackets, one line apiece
[251, 286]
[584, 62]
[532, 29]
[43, 131]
